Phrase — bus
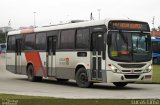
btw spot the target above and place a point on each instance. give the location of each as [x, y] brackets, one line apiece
[2, 48]
[156, 50]
[109, 51]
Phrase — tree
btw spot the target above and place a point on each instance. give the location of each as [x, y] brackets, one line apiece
[159, 28]
[2, 37]
[154, 29]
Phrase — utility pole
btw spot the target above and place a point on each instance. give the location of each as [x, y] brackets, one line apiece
[91, 16]
[9, 23]
[34, 18]
[153, 26]
[99, 13]
[153, 21]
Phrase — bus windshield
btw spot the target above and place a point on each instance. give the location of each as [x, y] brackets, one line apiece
[130, 46]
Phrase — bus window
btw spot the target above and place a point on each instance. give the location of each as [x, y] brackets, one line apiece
[30, 42]
[11, 43]
[67, 39]
[82, 39]
[41, 41]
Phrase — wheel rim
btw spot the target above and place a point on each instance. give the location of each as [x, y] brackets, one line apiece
[83, 78]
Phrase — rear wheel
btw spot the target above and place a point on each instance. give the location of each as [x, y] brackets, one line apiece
[30, 75]
[82, 78]
[120, 84]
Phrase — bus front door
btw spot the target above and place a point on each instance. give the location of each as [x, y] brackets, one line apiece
[18, 56]
[51, 50]
[97, 48]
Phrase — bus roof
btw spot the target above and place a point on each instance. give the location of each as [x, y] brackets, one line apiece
[67, 26]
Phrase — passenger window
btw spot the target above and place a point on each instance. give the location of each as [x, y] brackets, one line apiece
[30, 42]
[82, 39]
[11, 43]
[67, 39]
[41, 41]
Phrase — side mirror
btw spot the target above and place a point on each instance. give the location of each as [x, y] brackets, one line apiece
[109, 39]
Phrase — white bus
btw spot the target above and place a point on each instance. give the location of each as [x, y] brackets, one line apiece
[115, 51]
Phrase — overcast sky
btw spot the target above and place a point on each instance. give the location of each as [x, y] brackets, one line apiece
[53, 11]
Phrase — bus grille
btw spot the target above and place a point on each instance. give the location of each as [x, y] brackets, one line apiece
[131, 71]
[131, 76]
[132, 65]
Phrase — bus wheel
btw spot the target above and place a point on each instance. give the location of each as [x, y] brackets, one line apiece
[155, 61]
[30, 74]
[62, 80]
[120, 84]
[82, 78]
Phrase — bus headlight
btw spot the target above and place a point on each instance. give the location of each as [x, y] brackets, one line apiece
[114, 69]
[148, 69]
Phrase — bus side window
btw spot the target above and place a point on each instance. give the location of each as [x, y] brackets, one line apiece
[82, 39]
[11, 43]
[30, 42]
[67, 40]
[41, 41]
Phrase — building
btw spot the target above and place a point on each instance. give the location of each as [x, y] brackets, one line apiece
[155, 33]
[5, 29]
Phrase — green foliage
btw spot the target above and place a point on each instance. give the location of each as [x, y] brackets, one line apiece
[2, 38]
[36, 100]
[156, 73]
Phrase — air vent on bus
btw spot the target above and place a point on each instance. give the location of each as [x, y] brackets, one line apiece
[131, 71]
[131, 76]
[132, 65]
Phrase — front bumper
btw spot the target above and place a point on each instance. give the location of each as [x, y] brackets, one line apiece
[119, 77]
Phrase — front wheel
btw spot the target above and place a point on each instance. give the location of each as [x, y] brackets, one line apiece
[82, 78]
[120, 84]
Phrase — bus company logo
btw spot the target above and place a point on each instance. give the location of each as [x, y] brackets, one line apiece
[9, 102]
[64, 61]
[67, 61]
[132, 71]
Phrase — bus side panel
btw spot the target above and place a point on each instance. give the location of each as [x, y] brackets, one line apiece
[10, 62]
[23, 64]
[34, 58]
[40, 72]
[67, 61]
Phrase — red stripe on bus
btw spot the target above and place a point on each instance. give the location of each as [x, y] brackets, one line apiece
[34, 58]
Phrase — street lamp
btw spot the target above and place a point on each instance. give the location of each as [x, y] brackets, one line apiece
[34, 19]
[99, 10]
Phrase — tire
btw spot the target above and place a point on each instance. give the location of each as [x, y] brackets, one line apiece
[30, 75]
[155, 61]
[62, 80]
[120, 84]
[82, 78]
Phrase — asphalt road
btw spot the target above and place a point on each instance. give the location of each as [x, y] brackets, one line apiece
[18, 84]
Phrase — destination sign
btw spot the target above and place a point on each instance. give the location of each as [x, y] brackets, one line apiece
[128, 25]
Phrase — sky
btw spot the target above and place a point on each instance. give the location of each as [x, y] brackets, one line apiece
[20, 13]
